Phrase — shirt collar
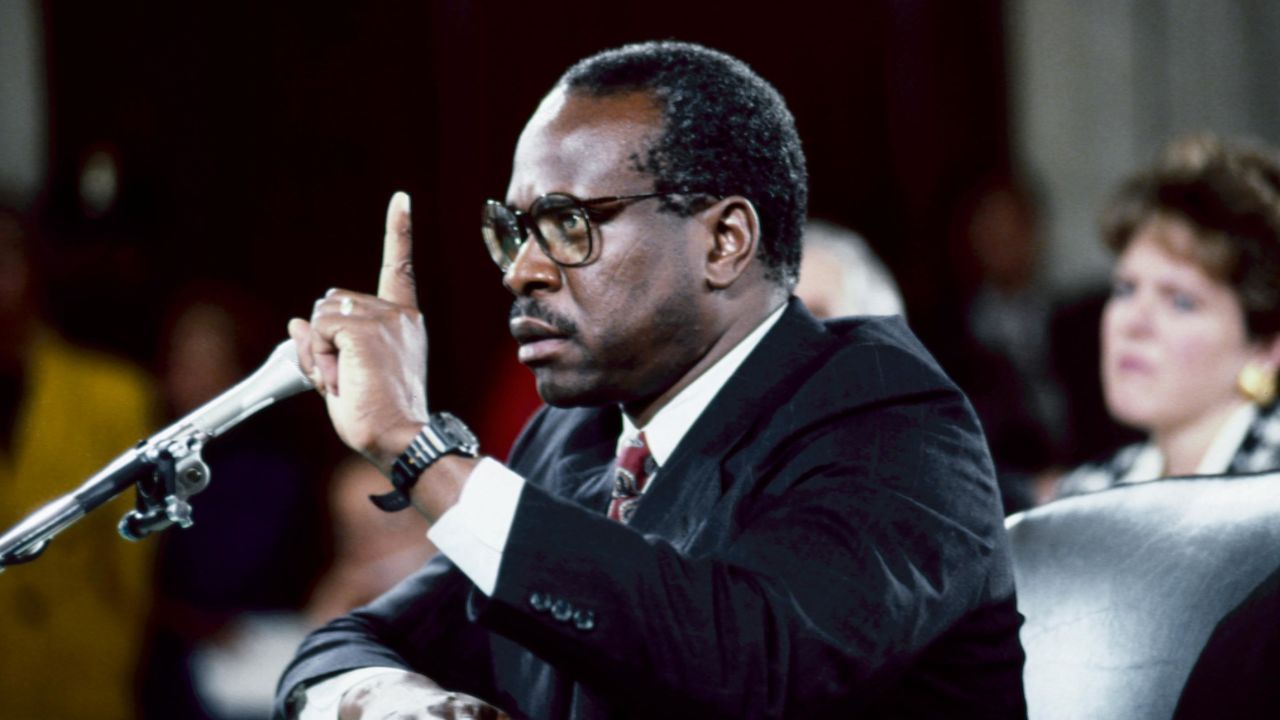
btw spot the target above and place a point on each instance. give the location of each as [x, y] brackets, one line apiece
[1150, 464]
[670, 423]
[1217, 459]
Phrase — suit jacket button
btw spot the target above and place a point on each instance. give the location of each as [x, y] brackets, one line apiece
[561, 610]
[539, 601]
[584, 620]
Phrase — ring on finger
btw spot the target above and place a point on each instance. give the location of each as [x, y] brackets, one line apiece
[346, 306]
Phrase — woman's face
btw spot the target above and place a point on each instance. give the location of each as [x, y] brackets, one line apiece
[1173, 338]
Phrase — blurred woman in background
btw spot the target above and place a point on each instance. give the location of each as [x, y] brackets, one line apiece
[1191, 332]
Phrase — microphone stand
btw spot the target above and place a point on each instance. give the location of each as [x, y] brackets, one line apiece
[166, 473]
[167, 468]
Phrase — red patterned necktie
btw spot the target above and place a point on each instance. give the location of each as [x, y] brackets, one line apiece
[635, 467]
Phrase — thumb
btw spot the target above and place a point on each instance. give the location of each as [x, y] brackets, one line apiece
[395, 281]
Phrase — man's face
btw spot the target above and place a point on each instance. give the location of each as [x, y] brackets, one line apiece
[625, 326]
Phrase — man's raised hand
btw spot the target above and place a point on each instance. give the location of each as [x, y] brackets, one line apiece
[368, 353]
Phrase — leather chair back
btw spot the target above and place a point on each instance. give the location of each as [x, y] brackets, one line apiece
[1122, 589]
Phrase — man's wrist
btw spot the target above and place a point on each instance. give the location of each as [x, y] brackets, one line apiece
[442, 435]
[441, 485]
[395, 442]
[392, 467]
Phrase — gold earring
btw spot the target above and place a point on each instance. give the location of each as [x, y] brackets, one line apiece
[1258, 383]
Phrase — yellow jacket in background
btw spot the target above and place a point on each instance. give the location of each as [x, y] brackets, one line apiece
[72, 621]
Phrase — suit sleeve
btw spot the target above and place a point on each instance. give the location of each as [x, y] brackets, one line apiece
[860, 542]
[419, 625]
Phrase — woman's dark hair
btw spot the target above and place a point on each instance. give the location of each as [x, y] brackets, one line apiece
[1229, 193]
[726, 131]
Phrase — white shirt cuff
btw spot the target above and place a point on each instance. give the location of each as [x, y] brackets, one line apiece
[473, 533]
[323, 697]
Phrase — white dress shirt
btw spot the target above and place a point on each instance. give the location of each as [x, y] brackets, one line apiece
[473, 533]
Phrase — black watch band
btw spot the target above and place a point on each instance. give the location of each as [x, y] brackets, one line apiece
[443, 434]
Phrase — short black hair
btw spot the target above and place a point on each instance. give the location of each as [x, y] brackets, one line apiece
[726, 131]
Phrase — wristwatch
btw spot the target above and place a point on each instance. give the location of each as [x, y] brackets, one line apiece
[443, 434]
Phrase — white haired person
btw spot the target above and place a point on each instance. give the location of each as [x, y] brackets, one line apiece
[840, 275]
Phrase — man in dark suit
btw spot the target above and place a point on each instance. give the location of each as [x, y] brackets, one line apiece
[801, 520]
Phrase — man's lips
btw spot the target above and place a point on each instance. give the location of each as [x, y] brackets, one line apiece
[538, 340]
[526, 330]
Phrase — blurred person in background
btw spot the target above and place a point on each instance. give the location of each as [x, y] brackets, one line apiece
[234, 671]
[840, 275]
[1191, 332]
[243, 571]
[373, 550]
[70, 622]
[995, 342]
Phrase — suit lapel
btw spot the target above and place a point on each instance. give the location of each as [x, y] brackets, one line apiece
[587, 474]
[689, 485]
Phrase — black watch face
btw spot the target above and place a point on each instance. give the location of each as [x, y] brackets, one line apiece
[457, 433]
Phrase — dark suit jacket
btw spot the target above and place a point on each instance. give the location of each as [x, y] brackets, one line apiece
[826, 541]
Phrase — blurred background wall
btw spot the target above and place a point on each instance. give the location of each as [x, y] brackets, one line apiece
[1097, 86]
[23, 141]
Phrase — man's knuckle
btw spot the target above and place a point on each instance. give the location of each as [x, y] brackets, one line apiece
[405, 268]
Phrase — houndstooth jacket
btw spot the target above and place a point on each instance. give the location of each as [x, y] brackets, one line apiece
[1258, 451]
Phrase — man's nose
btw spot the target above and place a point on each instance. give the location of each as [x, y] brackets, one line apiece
[531, 270]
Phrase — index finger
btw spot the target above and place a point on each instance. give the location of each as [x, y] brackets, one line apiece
[395, 281]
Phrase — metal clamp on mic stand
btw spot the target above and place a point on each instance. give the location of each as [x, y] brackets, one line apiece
[163, 497]
[166, 468]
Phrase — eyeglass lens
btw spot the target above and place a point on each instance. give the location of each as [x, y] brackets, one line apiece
[559, 223]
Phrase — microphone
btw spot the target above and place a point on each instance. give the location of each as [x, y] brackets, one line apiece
[278, 378]
[175, 449]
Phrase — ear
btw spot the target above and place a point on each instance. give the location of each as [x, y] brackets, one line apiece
[734, 233]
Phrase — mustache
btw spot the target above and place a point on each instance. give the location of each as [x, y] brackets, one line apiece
[531, 308]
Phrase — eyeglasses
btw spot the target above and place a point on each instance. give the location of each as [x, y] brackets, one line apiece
[561, 223]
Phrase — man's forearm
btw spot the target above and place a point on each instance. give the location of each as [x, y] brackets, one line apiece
[419, 625]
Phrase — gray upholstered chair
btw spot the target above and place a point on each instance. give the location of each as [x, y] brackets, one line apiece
[1123, 589]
